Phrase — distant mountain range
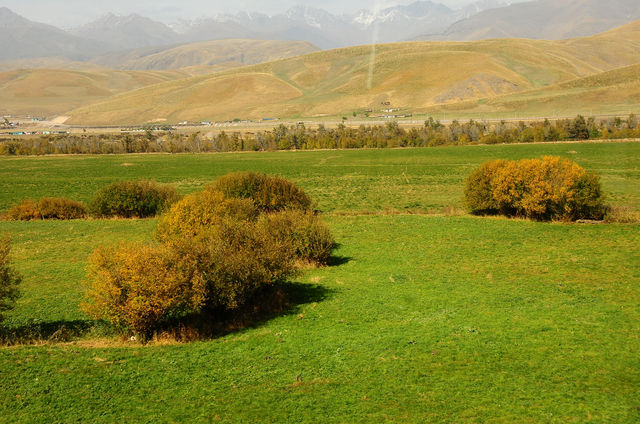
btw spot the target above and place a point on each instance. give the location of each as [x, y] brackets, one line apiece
[542, 19]
[421, 20]
[22, 38]
[111, 33]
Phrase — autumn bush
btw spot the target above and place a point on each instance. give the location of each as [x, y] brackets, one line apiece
[47, 208]
[311, 239]
[198, 211]
[139, 288]
[214, 254]
[136, 287]
[540, 189]
[270, 193]
[9, 278]
[27, 210]
[133, 199]
[478, 193]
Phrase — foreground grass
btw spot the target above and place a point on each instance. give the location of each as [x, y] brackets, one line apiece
[424, 319]
[428, 179]
[428, 319]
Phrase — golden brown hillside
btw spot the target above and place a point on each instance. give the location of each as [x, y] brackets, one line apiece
[415, 76]
[611, 92]
[222, 54]
[55, 91]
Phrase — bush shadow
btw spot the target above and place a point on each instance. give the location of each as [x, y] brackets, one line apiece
[277, 301]
[336, 261]
[35, 332]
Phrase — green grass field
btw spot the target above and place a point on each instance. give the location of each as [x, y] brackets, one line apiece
[342, 181]
[425, 318]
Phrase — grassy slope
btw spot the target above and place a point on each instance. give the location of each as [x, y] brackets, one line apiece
[413, 75]
[55, 91]
[612, 92]
[42, 90]
[428, 319]
[221, 53]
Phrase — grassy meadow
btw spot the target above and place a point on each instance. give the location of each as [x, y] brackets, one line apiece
[422, 318]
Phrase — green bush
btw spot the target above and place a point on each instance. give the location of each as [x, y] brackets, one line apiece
[310, 237]
[546, 189]
[47, 208]
[133, 199]
[9, 278]
[236, 258]
[270, 193]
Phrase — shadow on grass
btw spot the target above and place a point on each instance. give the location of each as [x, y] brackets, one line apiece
[338, 261]
[47, 332]
[273, 302]
[281, 300]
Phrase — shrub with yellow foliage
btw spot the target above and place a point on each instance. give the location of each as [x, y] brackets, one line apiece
[215, 253]
[137, 287]
[10, 279]
[47, 208]
[540, 189]
[199, 211]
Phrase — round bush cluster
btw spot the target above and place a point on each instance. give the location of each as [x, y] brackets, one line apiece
[550, 188]
[133, 199]
[215, 252]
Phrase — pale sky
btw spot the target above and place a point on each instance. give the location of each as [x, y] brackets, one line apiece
[67, 13]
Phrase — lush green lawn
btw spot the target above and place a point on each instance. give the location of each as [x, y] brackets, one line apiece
[426, 319]
[365, 180]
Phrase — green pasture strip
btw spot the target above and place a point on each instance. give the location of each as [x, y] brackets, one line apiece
[425, 319]
[425, 180]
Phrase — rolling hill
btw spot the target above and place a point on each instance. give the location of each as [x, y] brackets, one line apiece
[415, 76]
[220, 53]
[28, 86]
[44, 92]
[611, 92]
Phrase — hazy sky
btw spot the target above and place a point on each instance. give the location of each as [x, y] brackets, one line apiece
[65, 13]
